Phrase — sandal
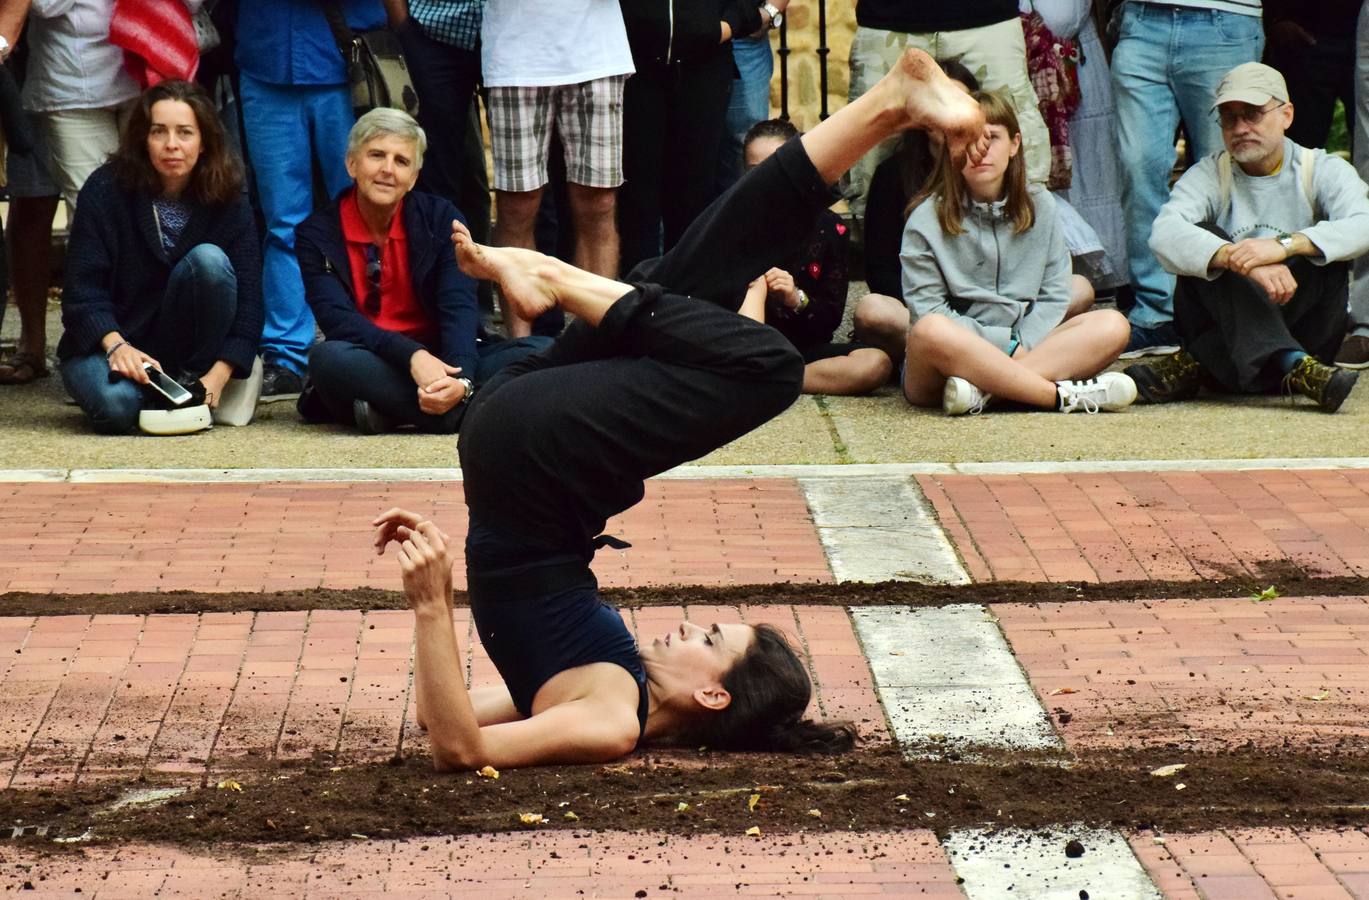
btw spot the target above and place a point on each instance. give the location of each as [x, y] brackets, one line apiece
[23, 368]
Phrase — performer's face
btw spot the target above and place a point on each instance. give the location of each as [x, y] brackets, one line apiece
[691, 654]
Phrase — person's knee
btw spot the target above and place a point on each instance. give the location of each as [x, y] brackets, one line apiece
[115, 411]
[930, 334]
[1113, 328]
[328, 364]
[870, 369]
[517, 209]
[1081, 296]
[207, 259]
[592, 206]
[878, 314]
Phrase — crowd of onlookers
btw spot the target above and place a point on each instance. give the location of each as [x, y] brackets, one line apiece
[242, 230]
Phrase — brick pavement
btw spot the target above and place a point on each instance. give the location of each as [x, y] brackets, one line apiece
[84, 698]
[1160, 525]
[518, 865]
[78, 538]
[1258, 863]
[1209, 673]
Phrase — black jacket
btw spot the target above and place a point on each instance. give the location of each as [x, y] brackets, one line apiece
[445, 292]
[669, 31]
[923, 16]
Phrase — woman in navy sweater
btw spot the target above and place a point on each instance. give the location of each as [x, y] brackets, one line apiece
[163, 264]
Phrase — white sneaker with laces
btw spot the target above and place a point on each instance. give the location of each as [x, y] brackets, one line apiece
[1108, 392]
[960, 397]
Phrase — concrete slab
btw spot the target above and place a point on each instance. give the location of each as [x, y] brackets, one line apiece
[1011, 864]
[881, 529]
[947, 676]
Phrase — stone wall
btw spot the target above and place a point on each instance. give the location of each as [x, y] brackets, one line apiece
[805, 64]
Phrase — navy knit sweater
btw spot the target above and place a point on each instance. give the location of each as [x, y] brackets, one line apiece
[117, 269]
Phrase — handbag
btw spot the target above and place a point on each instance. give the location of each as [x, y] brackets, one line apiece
[376, 70]
[1053, 66]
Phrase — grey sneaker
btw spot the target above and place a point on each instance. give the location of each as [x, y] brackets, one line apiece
[1108, 392]
[960, 397]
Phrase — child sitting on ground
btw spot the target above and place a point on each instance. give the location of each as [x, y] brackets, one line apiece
[986, 278]
[806, 300]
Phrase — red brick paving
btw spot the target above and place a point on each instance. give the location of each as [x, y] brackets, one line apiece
[81, 538]
[1258, 863]
[518, 865]
[1212, 673]
[1160, 525]
[118, 696]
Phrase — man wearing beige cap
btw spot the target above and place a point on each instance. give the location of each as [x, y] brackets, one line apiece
[1260, 236]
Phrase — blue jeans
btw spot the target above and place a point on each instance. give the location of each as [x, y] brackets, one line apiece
[1166, 67]
[288, 127]
[750, 103]
[342, 372]
[197, 310]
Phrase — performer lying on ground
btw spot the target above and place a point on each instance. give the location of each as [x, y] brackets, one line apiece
[649, 377]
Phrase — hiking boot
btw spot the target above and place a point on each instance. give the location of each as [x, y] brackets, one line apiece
[1354, 353]
[960, 397]
[1157, 341]
[370, 420]
[1108, 392]
[1176, 377]
[1328, 386]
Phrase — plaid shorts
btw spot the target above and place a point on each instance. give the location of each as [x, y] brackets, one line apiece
[588, 117]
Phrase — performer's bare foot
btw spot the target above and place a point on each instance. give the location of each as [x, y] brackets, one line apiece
[933, 102]
[518, 272]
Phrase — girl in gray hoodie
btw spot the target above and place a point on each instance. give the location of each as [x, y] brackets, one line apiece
[986, 277]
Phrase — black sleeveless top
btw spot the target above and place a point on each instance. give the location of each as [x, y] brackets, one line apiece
[539, 615]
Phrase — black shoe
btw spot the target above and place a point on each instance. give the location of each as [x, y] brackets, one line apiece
[278, 382]
[1354, 353]
[369, 420]
[1176, 377]
[1328, 386]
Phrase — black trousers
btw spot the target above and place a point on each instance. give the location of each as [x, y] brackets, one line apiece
[560, 441]
[674, 118]
[1232, 329]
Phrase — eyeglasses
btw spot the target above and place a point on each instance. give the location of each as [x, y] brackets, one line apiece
[372, 301]
[1252, 116]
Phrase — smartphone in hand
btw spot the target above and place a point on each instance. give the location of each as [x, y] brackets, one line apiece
[165, 385]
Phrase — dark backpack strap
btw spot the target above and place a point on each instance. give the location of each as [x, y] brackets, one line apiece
[343, 35]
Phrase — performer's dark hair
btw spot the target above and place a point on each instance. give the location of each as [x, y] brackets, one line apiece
[770, 691]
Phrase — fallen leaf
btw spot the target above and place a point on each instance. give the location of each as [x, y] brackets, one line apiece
[901, 797]
[1166, 771]
[815, 813]
[229, 784]
[752, 801]
[1058, 691]
[570, 816]
[360, 837]
[930, 815]
[682, 807]
[753, 831]
[488, 772]
[1180, 786]
[531, 818]
[1319, 696]
[270, 824]
[1269, 593]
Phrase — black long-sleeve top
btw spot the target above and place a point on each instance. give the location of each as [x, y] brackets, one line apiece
[668, 31]
[820, 271]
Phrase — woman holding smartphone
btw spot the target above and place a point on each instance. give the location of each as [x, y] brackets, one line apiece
[163, 265]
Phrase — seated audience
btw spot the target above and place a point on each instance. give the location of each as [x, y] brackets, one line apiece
[1260, 237]
[162, 265]
[986, 277]
[806, 299]
[402, 338]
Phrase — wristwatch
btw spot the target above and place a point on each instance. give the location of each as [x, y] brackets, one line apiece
[1286, 242]
[776, 17]
[470, 390]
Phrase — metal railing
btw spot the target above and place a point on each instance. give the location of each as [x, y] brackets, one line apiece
[822, 50]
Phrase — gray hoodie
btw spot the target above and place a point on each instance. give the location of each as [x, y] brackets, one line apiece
[1001, 285]
[1262, 207]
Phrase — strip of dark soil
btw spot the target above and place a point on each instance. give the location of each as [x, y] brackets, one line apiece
[689, 793]
[1289, 579]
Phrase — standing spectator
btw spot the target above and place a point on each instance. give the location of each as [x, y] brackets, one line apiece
[1354, 352]
[1169, 59]
[296, 111]
[1096, 189]
[674, 114]
[750, 101]
[985, 35]
[1313, 45]
[556, 66]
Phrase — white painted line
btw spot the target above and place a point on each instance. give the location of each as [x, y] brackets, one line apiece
[881, 529]
[946, 677]
[690, 472]
[1012, 864]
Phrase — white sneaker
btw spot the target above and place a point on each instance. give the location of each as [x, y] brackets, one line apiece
[238, 404]
[960, 397]
[1108, 392]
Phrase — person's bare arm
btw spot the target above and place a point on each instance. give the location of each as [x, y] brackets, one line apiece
[12, 16]
[397, 12]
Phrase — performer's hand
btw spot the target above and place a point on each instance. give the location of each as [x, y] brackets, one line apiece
[1276, 281]
[1251, 253]
[426, 565]
[388, 523]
